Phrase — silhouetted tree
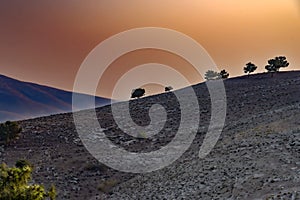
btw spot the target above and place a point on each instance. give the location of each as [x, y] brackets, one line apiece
[137, 93]
[14, 184]
[224, 74]
[168, 88]
[276, 63]
[250, 67]
[212, 75]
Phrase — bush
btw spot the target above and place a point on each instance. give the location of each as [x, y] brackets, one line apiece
[9, 131]
[212, 75]
[137, 93]
[108, 185]
[168, 88]
[14, 184]
[224, 74]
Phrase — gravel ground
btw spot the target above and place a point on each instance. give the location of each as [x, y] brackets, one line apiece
[256, 157]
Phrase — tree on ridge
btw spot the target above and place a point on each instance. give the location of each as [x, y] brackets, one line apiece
[250, 67]
[276, 63]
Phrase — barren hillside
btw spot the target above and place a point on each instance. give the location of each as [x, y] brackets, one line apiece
[256, 157]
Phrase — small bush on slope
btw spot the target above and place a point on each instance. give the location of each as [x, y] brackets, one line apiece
[14, 184]
[9, 131]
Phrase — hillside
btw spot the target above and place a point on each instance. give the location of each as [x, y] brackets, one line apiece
[22, 100]
[256, 157]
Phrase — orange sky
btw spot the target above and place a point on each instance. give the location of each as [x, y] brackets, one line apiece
[46, 41]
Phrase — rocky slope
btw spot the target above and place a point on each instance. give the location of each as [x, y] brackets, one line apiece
[256, 157]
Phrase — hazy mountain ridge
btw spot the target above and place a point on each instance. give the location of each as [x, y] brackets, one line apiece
[21, 100]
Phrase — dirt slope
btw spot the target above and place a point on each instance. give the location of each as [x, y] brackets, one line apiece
[256, 157]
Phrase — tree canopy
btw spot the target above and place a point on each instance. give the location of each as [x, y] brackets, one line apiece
[276, 63]
[250, 67]
[14, 184]
[224, 74]
[212, 75]
[137, 93]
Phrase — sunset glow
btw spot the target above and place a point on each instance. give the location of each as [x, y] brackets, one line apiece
[46, 42]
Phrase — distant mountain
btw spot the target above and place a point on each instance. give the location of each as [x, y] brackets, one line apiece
[22, 100]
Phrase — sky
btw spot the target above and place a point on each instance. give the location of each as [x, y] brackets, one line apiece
[46, 41]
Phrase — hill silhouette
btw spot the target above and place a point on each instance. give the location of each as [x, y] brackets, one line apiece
[21, 100]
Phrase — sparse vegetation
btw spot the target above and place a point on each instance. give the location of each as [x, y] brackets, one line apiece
[168, 88]
[14, 184]
[9, 131]
[212, 75]
[137, 93]
[250, 67]
[224, 74]
[107, 186]
[276, 63]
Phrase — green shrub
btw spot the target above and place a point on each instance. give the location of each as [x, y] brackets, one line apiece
[108, 185]
[14, 184]
[9, 131]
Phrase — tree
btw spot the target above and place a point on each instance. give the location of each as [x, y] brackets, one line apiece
[137, 93]
[168, 88]
[9, 131]
[276, 63]
[212, 75]
[250, 67]
[224, 74]
[14, 184]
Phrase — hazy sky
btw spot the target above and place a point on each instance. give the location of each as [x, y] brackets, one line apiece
[46, 41]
